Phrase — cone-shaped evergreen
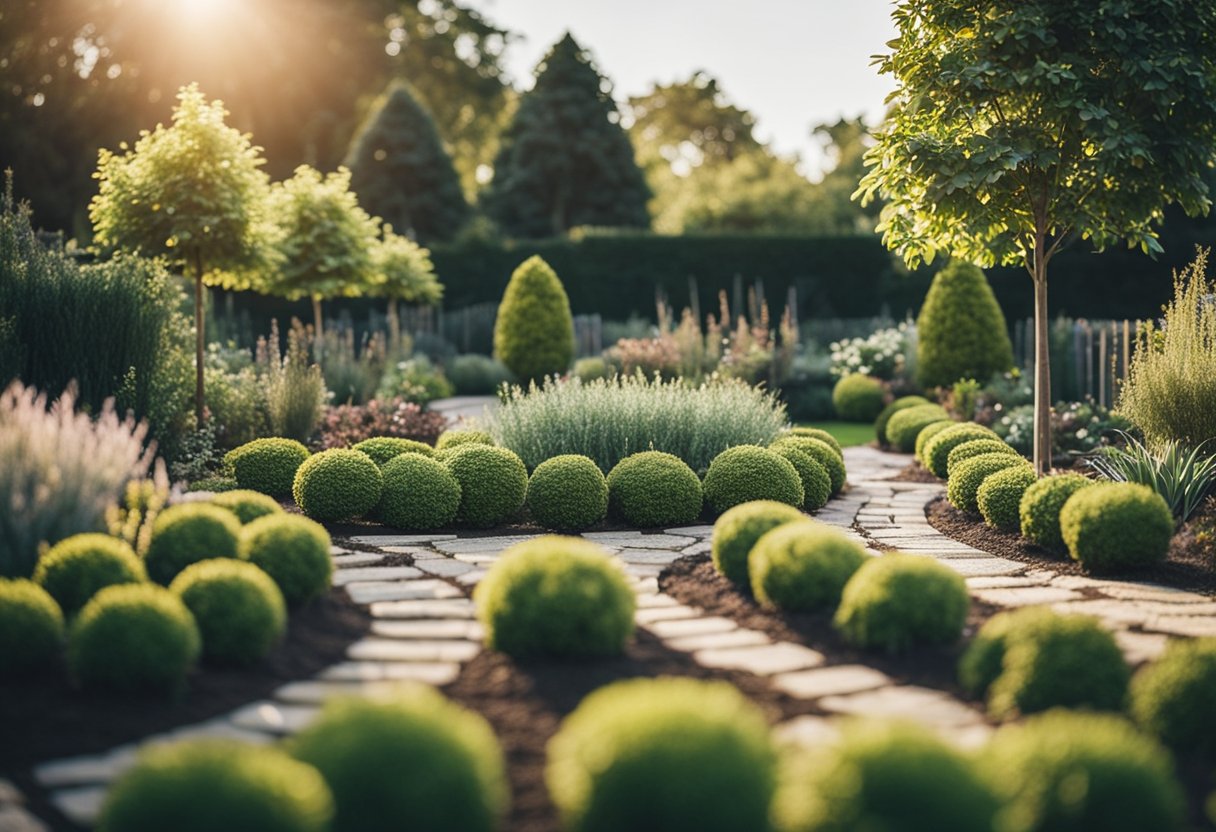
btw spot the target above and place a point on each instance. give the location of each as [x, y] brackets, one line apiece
[565, 160]
[534, 332]
[961, 329]
[402, 173]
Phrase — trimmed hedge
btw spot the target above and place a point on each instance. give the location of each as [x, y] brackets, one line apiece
[902, 403]
[896, 601]
[419, 493]
[936, 452]
[267, 465]
[748, 472]
[653, 488]
[817, 433]
[961, 332]
[31, 628]
[1117, 525]
[976, 447]
[858, 398]
[493, 484]
[962, 489]
[905, 426]
[77, 568]
[928, 433]
[1174, 697]
[248, 505]
[455, 438]
[534, 330]
[1000, 495]
[737, 530]
[567, 493]
[187, 533]
[292, 550]
[820, 451]
[816, 482]
[802, 566]
[382, 449]
[338, 484]
[1039, 509]
[239, 609]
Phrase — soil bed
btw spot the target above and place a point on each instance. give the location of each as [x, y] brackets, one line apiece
[914, 472]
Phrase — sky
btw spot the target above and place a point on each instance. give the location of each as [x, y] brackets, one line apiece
[793, 63]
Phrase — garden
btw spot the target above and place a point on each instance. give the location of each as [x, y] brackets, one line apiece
[420, 471]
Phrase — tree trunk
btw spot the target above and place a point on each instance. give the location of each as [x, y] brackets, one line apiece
[394, 326]
[318, 334]
[200, 339]
[1042, 364]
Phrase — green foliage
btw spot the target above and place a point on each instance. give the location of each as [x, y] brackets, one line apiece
[668, 753]
[817, 433]
[922, 438]
[493, 484]
[239, 610]
[820, 451]
[981, 662]
[419, 493]
[267, 465]
[936, 453]
[1183, 477]
[246, 504]
[1039, 510]
[962, 489]
[1000, 495]
[217, 485]
[403, 271]
[415, 380]
[383, 449]
[653, 488]
[186, 533]
[961, 329]
[534, 331]
[292, 550]
[816, 482]
[897, 601]
[555, 596]
[902, 403]
[456, 438]
[76, 568]
[802, 566]
[205, 785]
[1172, 698]
[858, 398]
[591, 368]
[31, 628]
[906, 425]
[748, 472]
[479, 375]
[133, 637]
[738, 529]
[294, 386]
[1115, 526]
[337, 484]
[976, 447]
[567, 493]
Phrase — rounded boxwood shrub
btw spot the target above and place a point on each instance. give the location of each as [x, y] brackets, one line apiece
[209, 785]
[960, 329]
[187, 533]
[902, 403]
[977, 447]
[1174, 697]
[936, 454]
[665, 753]
[534, 330]
[493, 484]
[819, 451]
[293, 551]
[75, 569]
[1001, 494]
[410, 761]
[1117, 525]
[567, 493]
[748, 472]
[737, 530]
[338, 484]
[981, 662]
[267, 465]
[384, 448]
[239, 609]
[802, 566]
[216, 485]
[1039, 509]
[555, 596]
[419, 493]
[858, 398]
[31, 628]
[896, 601]
[653, 488]
[930, 431]
[1072, 770]
[885, 775]
[817, 433]
[455, 438]
[246, 504]
[816, 482]
[962, 489]
[906, 425]
[133, 637]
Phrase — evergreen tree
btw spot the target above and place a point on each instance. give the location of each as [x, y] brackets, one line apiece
[402, 173]
[565, 160]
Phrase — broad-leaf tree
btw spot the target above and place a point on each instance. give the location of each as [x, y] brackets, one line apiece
[193, 192]
[403, 272]
[1019, 126]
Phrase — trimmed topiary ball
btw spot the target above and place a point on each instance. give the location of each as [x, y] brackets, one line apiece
[962, 489]
[410, 761]
[654, 489]
[1039, 509]
[419, 493]
[896, 601]
[817, 433]
[239, 609]
[246, 504]
[338, 484]
[382, 449]
[936, 453]
[493, 484]
[1072, 770]
[930, 431]
[981, 662]
[567, 493]
[31, 628]
[267, 465]
[748, 472]
[75, 569]
[819, 451]
[187, 533]
[1174, 697]
[906, 425]
[858, 398]
[133, 637]
[902, 403]
[663, 754]
[1001, 494]
[293, 551]
[209, 785]
[455, 438]
[974, 448]
[961, 330]
[1117, 525]
[555, 596]
[802, 566]
[737, 530]
[534, 330]
[816, 482]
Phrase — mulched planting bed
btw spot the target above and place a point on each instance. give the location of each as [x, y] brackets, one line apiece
[914, 472]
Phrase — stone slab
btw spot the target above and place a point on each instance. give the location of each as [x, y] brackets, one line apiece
[375, 649]
[836, 680]
[449, 608]
[649, 615]
[375, 573]
[923, 705]
[766, 660]
[431, 673]
[384, 540]
[717, 641]
[434, 628]
[677, 628]
[1025, 596]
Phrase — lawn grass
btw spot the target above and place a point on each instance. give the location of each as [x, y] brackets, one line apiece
[846, 433]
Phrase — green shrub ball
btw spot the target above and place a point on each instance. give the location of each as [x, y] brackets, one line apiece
[419, 493]
[384, 448]
[338, 484]
[410, 761]
[211, 785]
[1039, 509]
[906, 425]
[858, 398]
[567, 493]
[663, 754]
[455, 438]
[555, 596]
[293, 551]
[133, 637]
[896, 601]
[1174, 697]
[1000, 495]
[817, 433]
[653, 488]
[962, 489]
[748, 472]
[246, 504]
[493, 484]
[922, 438]
[976, 447]
[902, 403]
[802, 566]
[239, 609]
[737, 530]
[31, 628]
[1068, 770]
[961, 331]
[816, 482]
[267, 465]
[187, 533]
[77, 568]
[821, 452]
[935, 455]
[1115, 526]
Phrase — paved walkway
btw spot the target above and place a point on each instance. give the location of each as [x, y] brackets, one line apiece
[461, 409]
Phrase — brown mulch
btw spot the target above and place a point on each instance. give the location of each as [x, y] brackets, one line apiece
[914, 472]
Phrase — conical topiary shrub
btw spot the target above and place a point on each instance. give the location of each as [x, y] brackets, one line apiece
[961, 329]
[534, 333]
